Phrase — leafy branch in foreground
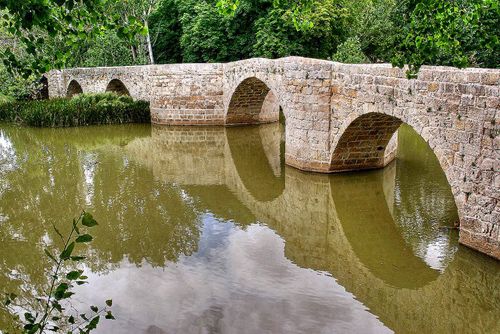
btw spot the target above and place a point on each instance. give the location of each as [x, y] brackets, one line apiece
[52, 312]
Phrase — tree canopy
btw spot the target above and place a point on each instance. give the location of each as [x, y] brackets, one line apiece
[39, 35]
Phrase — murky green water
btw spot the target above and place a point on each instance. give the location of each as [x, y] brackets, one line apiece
[204, 230]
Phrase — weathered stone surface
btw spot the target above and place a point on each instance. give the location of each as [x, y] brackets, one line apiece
[338, 116]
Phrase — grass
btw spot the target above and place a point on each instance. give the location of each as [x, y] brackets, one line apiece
[83, 109]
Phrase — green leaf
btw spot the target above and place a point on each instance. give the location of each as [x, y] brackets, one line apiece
[67, 295]
[50, 255]
[29, 317]
[73, 275]
[71, 320]
[57, 306]
[84, 238]
[74, 222]
[61, 291]
[93, 323]
[109, 316]
[109, 302]
[78, 258]
[94, 308]
[88, 220]
[67, 252]
[58, 233]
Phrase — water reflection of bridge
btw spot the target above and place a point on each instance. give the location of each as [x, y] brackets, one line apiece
[343, 225]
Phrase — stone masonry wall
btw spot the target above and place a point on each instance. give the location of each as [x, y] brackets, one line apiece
[338, 116]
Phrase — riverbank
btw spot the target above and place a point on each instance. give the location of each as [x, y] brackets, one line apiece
[81, 110]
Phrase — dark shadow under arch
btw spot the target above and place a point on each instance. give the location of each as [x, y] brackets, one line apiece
[363, 143]
[43, 92]
[118, 87]
[248, 102]
[74, 88]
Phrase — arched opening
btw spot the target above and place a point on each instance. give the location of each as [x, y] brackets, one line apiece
[74, 88]
[43, 92]
[363, 144]
[118, 87]
[252, 102]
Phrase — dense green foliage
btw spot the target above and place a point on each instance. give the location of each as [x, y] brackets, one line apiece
[350, 52]
[83, 109]
[36, 36]
[457, 33]
[5, 99]
[51, 32]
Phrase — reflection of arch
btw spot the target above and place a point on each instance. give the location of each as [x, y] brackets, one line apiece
[74, 88]
[424, 206]
[118, 87]
[248, 100]
[368, 225]
[252, 163]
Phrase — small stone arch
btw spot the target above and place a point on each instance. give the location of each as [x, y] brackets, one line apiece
[74, 88]
[118, 87]
[253, 102]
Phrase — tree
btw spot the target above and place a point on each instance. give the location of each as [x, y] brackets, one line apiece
[350, 52]
[35, 22]
[371, 22]
[166, 30]
[456, 33]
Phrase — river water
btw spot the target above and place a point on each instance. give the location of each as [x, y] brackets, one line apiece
[205, 230]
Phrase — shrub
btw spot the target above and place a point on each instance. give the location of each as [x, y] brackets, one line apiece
[5, 99]
[350, 52]
[17, 87]
[83, 109]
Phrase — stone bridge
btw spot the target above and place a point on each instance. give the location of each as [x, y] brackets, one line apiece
[339, 117]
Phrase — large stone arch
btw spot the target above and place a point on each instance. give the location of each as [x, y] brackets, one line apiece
[253, 101]
[118, 87]
[74, 88]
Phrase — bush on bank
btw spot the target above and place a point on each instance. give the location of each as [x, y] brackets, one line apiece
[83, 109]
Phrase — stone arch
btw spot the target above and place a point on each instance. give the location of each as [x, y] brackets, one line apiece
[74, 88]
[118, 87]
[253, 102]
